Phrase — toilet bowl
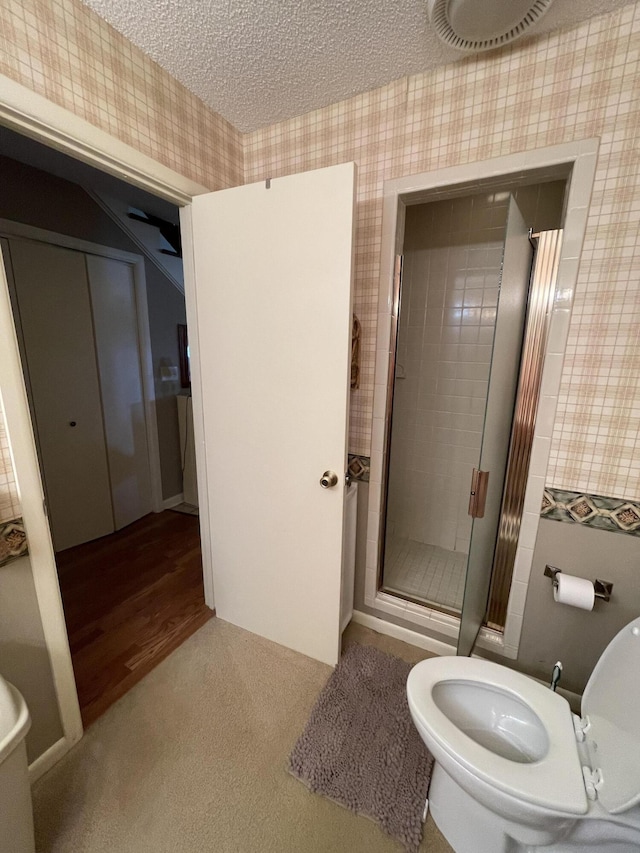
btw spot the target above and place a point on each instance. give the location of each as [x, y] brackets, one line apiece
[516, 770]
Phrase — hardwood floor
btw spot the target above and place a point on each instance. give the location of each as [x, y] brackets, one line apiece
[129, 600]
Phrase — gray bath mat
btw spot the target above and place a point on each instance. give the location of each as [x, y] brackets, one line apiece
[361, 749]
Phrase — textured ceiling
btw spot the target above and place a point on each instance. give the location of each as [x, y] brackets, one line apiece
[257, 62]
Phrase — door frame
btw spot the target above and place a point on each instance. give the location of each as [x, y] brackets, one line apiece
[28, 232]
[33, 115]
[574, 162]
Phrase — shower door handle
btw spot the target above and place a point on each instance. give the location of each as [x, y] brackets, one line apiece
[478, 493]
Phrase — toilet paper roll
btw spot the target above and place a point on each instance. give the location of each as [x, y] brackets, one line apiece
[576, 592]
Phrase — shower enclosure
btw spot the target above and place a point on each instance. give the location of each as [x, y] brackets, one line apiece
[469, 337]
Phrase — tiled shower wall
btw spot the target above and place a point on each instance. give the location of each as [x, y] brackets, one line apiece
[566, 86]
[452, 260]
[453, 256]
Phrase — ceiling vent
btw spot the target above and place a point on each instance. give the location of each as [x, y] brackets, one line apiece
[475, 25]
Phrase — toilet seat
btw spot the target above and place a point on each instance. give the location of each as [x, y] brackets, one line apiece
[609, 707]
[554, 782]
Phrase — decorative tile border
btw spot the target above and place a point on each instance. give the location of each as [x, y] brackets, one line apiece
[613, 514]
[13, 541]
[358, 467]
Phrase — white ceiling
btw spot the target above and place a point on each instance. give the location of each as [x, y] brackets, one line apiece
[257, 62]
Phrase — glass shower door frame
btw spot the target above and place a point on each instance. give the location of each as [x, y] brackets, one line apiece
[494, 585]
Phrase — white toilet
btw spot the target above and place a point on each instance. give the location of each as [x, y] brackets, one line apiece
[516, 770]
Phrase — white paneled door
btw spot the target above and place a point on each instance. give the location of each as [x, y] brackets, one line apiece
[273, 268]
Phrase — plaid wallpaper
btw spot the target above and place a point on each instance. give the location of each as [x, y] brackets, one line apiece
[562, 87]
[565, 86]
[64, 51]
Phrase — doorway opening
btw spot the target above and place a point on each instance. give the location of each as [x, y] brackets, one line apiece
[95, 280]
[467, 347]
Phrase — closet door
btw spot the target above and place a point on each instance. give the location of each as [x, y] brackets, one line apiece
[115, 319]
[55, 314]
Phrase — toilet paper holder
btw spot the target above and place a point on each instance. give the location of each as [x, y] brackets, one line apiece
[602, 589]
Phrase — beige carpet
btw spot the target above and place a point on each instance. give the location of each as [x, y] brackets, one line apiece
[194, 759]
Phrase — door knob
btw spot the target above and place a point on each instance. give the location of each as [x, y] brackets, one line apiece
[328, 479]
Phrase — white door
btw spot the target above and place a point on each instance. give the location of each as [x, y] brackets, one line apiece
[273, 268]
[55, 318]
[115, 320]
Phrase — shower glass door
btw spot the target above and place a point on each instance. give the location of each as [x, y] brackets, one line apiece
[501, 396]
[458, 348]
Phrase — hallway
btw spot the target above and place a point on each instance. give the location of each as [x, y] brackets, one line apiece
[130, 599]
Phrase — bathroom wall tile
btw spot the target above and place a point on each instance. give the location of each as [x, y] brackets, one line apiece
[380, 401]
[378, 434]
[539, 456]
[370, 586]
[375, 499]
[552, 374]
[513, 629]
[448, 282]
[375, 475]
[604, 513]
[373, 525]
[517, 598]
[528, 530]
[572, 236]
[384, 330]
[580, 192]
[522, 564]
[545, 417]
[558, 330]
[372, 554]
[462, 544]
[382, 365]
[533, 494]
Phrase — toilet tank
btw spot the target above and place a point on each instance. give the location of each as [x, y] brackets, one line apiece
[348, 554]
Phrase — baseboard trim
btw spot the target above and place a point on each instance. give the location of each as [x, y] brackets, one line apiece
[169, 503]
[438, 647]
[48, 758]
[404, 634]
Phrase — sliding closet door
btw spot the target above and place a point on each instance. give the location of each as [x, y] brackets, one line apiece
[115, 321]
[55, 313]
